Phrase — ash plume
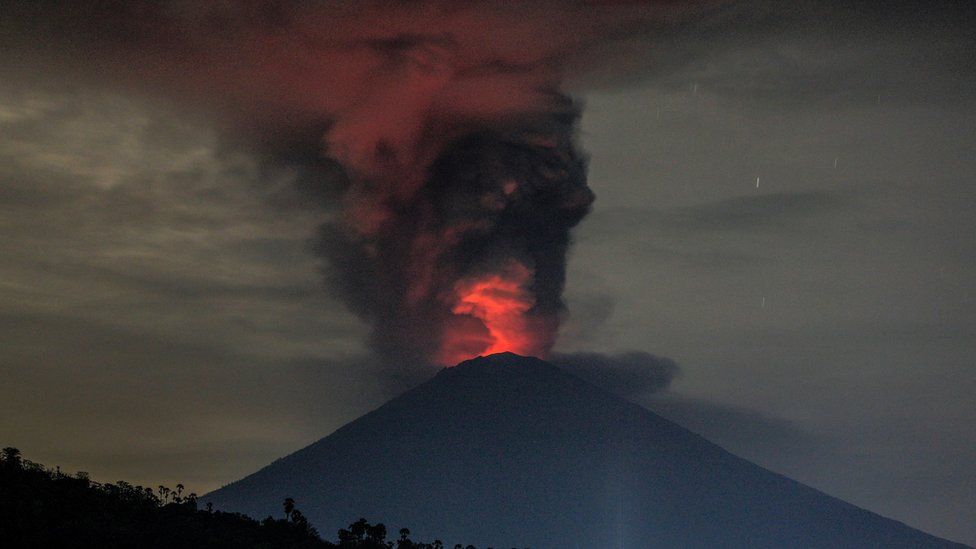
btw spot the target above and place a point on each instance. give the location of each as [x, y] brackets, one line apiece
[445, 145]
[498, 202]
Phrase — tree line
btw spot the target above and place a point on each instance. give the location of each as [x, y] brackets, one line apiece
[41, 507]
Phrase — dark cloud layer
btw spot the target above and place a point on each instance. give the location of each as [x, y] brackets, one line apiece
[769, 212]
[760, 52]
[631, 374]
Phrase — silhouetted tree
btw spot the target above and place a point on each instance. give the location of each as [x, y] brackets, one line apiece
[11, 457]
[64, 511]
[359, 529]
[377, 533]
[43, 508]
[289, 505]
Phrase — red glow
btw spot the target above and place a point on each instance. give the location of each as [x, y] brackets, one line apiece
[491, 317]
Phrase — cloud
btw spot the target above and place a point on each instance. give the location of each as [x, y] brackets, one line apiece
[628, 374]
[821, 54]
[736, 428]
[781, 211]
[123, 211]
[147, 406]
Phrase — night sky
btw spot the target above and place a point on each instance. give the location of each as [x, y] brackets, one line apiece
[784, 208]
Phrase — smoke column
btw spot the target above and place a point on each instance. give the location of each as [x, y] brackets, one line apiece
[462, 178]
[453, 237]
[473, 260]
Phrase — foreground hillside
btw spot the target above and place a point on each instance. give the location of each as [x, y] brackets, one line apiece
[42, 508]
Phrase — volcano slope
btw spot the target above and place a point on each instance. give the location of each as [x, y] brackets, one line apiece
[510, 451]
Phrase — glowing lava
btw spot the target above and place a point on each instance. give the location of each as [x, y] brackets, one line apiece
[492, 315]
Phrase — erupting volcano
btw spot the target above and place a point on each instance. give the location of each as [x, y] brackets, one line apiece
[182, 182]
[471, 261]
[510, 451]
[501, 302]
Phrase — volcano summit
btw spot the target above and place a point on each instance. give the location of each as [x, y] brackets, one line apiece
[509, 451]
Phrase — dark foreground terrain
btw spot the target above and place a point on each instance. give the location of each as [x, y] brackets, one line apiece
[44, 509]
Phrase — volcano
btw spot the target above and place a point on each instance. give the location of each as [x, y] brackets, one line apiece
[510, 451]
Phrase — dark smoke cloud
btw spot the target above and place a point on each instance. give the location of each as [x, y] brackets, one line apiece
[438, 132]
[630, 374]
[491, 197]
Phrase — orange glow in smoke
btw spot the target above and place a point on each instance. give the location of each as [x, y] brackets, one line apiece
[490, 317]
